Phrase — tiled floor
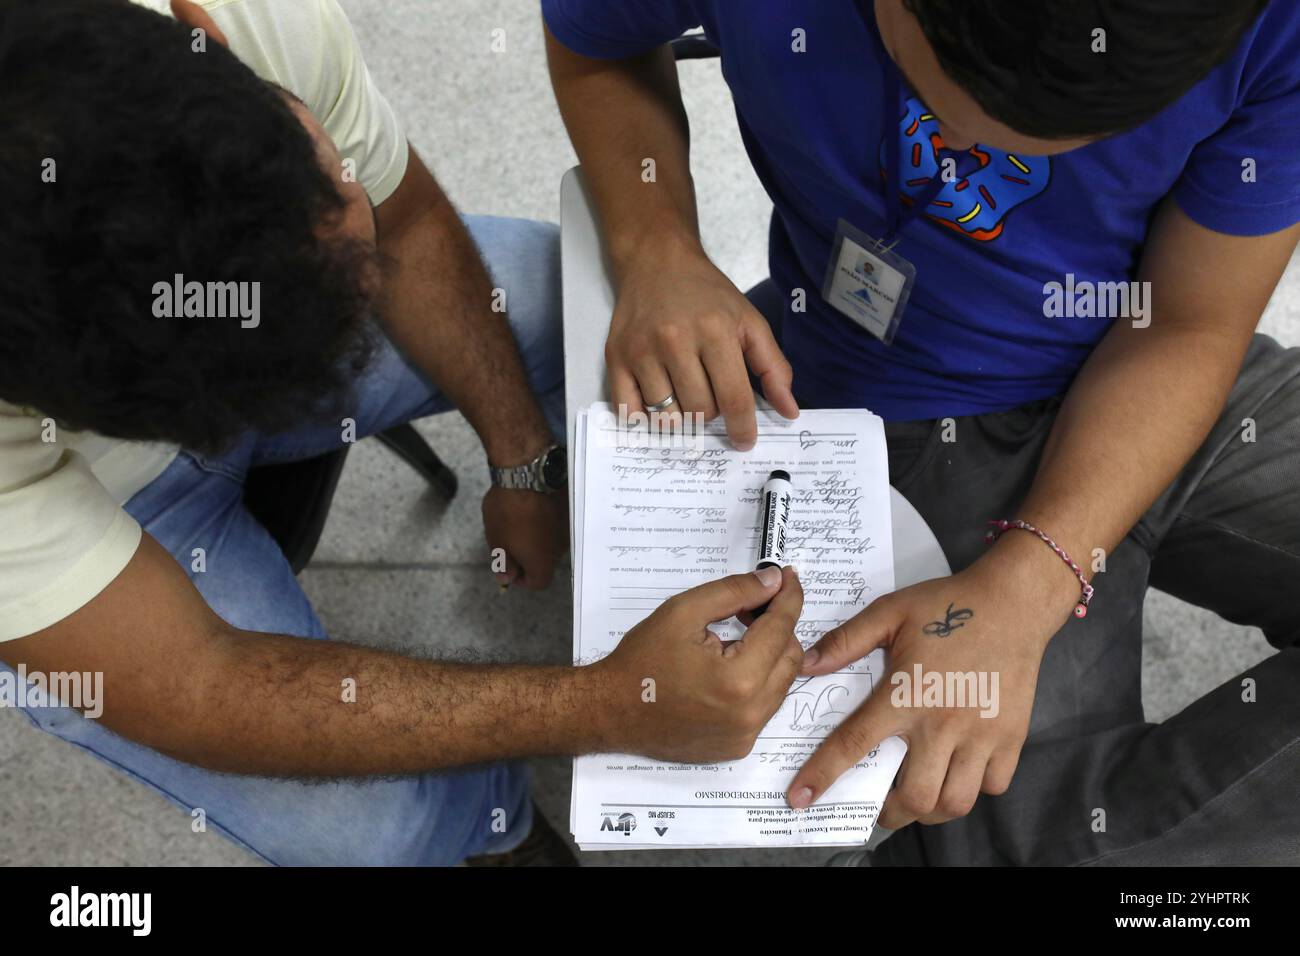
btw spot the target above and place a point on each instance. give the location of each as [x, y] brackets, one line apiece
[399, 569]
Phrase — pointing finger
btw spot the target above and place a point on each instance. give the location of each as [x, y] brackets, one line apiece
[852, 640]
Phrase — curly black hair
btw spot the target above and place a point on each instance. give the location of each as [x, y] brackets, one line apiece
[166, 161]
[1031, 66]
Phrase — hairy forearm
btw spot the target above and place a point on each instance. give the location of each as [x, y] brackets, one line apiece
[286, 706]
[439, 310]
[620, 114]
[178, 678]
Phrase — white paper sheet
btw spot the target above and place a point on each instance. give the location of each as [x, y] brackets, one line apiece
[655, 520]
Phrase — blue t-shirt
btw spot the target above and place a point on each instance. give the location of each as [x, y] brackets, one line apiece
[975, 337]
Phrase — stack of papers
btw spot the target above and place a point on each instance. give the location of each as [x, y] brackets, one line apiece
[656, 515]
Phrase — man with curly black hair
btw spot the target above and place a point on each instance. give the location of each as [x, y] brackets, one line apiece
[1036, 238]
[220, 252]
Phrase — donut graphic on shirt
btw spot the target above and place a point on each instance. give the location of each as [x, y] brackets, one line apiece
[976, 205]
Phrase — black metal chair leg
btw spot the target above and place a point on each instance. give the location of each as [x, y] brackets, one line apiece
[415, 451]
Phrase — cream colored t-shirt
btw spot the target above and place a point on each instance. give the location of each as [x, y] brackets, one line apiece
[63, 533]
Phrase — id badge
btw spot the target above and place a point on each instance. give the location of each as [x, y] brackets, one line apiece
[867, 282]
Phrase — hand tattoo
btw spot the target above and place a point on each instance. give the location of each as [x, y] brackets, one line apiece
[952, 620]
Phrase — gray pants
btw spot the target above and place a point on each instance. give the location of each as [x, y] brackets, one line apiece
[1220, 782]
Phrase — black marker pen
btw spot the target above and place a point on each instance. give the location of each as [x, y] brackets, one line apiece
[775, 502]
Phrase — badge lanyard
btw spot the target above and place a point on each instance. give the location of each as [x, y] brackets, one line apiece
[896, 217]
[867, 281]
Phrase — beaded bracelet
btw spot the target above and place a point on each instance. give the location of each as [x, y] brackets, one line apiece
[1080, 609]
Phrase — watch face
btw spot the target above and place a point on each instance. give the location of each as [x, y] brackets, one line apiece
[555, 469]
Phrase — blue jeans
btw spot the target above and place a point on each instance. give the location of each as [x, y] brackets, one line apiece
[432, 819]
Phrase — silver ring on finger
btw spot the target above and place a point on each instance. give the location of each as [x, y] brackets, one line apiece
[663, 406]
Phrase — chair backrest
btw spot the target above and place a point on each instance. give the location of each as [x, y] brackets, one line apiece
[694, 46]
[292, 501]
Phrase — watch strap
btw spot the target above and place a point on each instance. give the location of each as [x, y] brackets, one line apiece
[517, 477]
[526, 477]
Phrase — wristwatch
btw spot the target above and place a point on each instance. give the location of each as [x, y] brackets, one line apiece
[547, 473]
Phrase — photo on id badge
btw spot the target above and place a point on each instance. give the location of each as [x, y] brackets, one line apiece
[867, 282]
